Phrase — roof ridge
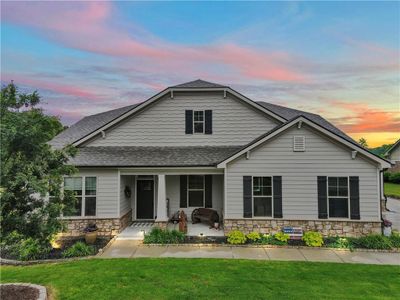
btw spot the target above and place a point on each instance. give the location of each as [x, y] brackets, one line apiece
[199, 83]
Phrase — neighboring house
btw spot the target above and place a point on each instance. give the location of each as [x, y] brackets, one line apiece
[393, 154]
[200, 144]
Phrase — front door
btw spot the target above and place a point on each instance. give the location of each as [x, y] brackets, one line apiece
[145, 199]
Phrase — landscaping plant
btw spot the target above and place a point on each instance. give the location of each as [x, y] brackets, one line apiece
[281, 237]
[236, 237]
[163, 236]
[253, 237]
[78, 249]
[395, 239]
[313, 239]
[373, 241]
[339, 242]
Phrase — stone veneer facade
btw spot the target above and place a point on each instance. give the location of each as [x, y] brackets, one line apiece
[108, 227]
[326, 227]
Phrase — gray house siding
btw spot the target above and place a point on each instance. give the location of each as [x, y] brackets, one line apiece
[107, 191]
[299, 171]
[395, 154]
[126, 202]
[163, 123]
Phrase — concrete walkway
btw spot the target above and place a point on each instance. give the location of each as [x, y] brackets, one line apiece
[393, 215]
[133, 249]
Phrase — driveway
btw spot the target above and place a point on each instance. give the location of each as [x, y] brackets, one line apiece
[393, 215]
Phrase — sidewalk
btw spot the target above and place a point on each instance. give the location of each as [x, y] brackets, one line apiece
[133, 249]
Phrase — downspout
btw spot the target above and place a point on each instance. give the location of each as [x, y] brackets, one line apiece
[381, 192]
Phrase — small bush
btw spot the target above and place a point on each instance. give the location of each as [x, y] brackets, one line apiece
[266, 239]
[236, 237]
[28, 249]
[282, 237]
[386, 177]
[78, 249]
[394, 177]
[338, 242]
[161, 236]
[253, 237]
[395, 239]
[313, 239]
[373, 241]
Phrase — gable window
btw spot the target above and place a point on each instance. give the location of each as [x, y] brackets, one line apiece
[262, 196]
[338, 197]
[198, 121]
[195, 190]
[85, 190]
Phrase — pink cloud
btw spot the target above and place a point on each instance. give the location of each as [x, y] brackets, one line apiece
[90, 26]
[65, 89]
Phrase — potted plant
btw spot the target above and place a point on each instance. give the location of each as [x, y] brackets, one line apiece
[91, 233]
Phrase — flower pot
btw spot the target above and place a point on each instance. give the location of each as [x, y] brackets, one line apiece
[90, 237]
[216, 225]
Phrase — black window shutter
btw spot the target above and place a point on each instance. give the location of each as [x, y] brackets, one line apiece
[322, 198]
[354, 198]
[189, 121]
[183, 188]
[208, 122]
[247, 197]
[208, 193]
[277, 186]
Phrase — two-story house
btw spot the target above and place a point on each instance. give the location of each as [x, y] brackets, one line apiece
[200, 144]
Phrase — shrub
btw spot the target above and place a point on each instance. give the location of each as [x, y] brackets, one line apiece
[161, 236]
[386, 177]
[282, 237]
[28, 249]
[313, 239]
[267, 239]
[253, 237]
[373, 241]
[394, 177]
[78, 249]
[395, 239]
[236, 237]
[339, 242]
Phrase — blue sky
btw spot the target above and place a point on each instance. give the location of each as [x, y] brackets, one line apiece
[339, 59]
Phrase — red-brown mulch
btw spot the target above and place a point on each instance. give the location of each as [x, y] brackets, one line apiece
[15, 292]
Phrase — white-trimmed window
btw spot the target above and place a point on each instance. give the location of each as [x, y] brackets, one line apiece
[196, 190]
[85, 189]
[262, 197]
[198, 121]
[338, 197]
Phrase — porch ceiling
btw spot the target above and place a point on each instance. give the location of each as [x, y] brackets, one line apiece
[152, 156]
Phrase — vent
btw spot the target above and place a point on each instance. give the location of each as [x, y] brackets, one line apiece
[299, 143]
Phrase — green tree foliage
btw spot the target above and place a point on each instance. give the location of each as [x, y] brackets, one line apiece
[30, 168]
[381, 150]
[363, 142]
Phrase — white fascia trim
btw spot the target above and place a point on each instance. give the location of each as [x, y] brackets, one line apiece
[171, 90]
[383, 163]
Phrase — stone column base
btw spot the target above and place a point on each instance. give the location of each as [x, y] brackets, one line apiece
[326, 228]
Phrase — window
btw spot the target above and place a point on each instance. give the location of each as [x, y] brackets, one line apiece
[198, 121]
[338, 197]
[262, 196]
[85, 189]
[196, 190]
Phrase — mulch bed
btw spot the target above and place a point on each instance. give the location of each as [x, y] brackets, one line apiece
[57, 253]
[15, 292]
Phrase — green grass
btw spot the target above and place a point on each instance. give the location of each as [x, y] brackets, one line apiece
[392, 189]
[160, 278]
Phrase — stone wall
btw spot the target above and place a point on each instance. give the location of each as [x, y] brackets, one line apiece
[327, 228]
[107, 227]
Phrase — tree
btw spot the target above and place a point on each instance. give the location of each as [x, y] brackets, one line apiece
[363, 142]
[30, 168]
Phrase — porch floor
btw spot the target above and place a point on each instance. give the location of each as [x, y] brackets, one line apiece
[137, 230]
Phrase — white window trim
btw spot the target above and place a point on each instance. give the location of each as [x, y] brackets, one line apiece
[342, 197]
[252, 199]
[204, 122]
[203, 190]
[83, 204]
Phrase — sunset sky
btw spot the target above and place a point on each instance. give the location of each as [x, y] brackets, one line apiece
[338, 59]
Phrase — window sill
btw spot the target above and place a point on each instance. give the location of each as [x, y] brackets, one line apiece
[80, 217]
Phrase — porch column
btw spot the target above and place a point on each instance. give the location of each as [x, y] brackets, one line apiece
[161, 200]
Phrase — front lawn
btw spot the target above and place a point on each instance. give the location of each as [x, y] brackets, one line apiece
[163, 278]
[392, 189]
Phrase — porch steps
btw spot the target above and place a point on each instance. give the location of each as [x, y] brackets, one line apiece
[135, 231]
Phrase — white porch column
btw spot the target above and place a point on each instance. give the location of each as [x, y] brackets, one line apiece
[161, 200]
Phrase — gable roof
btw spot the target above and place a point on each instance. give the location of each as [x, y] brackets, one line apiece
[87, 125]
[134, 156]
[303, 119]
[195, 84]
[394, 146]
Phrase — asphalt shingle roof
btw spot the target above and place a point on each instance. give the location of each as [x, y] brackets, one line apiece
[199, 84]
[152, 156]
[87, 125]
